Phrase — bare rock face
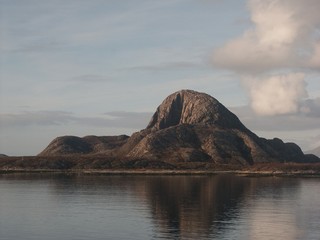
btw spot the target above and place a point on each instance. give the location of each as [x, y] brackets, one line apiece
[194, 127]
[190, 126]
[191, 107]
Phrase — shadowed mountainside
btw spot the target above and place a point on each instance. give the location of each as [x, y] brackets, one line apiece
[90, 144]
[187, 127]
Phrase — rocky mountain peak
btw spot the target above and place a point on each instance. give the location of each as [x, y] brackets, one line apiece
[189, 128]
[191, 107]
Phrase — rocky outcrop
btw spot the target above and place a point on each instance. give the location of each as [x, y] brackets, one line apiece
[187, 127]
[190, 126]
[68, 145]
[190, 107]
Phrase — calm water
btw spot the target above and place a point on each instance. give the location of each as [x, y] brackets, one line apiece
[158, 207]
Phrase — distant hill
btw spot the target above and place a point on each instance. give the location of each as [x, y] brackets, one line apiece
[187, 127]
[315, 151]
[3, 155]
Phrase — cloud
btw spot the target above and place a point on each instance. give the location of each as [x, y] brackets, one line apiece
[315, 143]
[301, 121]
[284, 34]
[73, 23]
[314, 61]
[138, 120]
[133, 120]
[311, 107]
[284, 37]
[28, 132]
[40, 118]
[279, 94]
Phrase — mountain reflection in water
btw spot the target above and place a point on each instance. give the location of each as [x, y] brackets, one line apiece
[159, 207]
[195, 206]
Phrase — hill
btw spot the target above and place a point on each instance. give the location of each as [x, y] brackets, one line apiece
[188, 127]
[67, 145]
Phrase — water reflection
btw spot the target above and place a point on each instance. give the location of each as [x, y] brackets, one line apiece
[190, 207]
[272, 210]
[179, 203]
[165, 207]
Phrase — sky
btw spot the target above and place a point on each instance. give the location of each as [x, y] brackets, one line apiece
[101, 67]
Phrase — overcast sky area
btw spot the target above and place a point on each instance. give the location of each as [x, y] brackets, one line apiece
[101, 67]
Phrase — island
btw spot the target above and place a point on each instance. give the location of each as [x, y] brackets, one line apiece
[190, 132]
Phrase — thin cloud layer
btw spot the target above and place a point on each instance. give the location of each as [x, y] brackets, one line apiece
[39, 118]
[302, 121]
[131, 120]
[311, 107]
[314, 61]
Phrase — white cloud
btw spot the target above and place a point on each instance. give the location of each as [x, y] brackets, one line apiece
[283, 35]
[279, 94]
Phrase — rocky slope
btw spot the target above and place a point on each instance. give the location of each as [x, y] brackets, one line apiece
[67, 145]
[187, 127]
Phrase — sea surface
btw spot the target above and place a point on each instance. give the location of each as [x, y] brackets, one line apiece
[56, 206]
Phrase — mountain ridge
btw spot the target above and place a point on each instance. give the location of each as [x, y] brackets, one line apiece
[188, 126]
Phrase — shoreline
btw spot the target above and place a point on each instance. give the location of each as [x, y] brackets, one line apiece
[166, 172]
[113, 166]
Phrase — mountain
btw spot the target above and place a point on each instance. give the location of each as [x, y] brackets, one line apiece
[187, 127]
